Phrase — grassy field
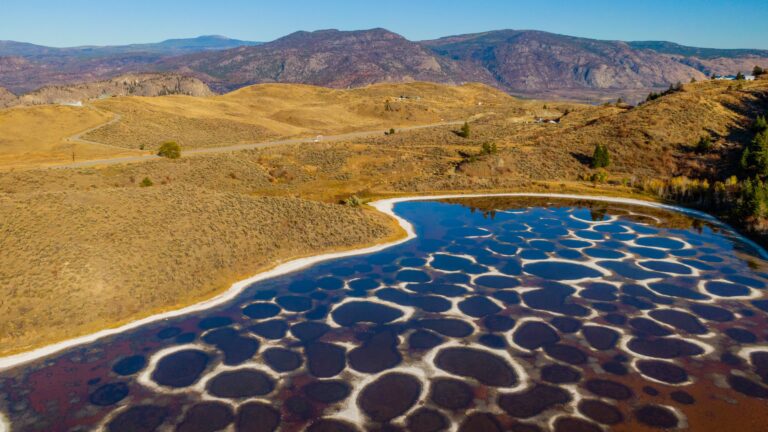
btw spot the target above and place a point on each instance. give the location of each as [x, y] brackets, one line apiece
[36, 136]
[82, 249]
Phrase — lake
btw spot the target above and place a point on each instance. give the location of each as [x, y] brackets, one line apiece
[519, 314]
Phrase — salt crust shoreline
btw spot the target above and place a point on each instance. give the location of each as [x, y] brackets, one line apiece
[385, 206]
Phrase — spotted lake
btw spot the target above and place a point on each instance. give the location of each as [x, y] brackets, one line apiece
[502, 314]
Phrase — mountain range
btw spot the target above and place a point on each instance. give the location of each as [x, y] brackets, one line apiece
[522, 62]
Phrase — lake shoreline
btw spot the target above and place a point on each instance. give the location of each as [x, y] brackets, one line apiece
[385, 206]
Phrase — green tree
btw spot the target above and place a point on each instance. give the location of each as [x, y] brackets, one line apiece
[757, 71]
[600, 157]
[760, 124]
[739, 76]
[488, 148]
[465, 131]
[170, 150]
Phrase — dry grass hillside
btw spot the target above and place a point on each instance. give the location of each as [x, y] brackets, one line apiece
[77, 261]
[36, 136]
[270, 111]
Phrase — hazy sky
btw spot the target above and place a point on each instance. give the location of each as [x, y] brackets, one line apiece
[708, 23]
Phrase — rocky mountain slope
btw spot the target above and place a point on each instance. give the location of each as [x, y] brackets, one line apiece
[155, 84]
[328, 58]
[534, 62]
[6, 98]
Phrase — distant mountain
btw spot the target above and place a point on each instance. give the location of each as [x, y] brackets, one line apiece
[701, 53]
[522, 62]
[329, 58]
[168, 47]
[25, 67]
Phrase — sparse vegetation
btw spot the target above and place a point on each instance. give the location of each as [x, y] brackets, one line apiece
[488, 148]
[146, 182]
[170, 150]
[391, 131]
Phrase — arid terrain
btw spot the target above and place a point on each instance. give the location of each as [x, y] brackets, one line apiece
[155, 235]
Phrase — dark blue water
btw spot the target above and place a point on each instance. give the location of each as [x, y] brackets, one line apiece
[500, 315]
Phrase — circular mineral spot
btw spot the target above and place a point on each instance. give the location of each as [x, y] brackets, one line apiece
[726, 289]
[257, 417]
[423, 340]
[129, 365]
[451, 394]
[389, 396]
[534, 334]
[377, 353]
[240, 383]
[679, 320]
[325, 360]
[282, 360]
[295, 303]
[272, 329]
[478, 306]
[309, 331]
[355, 312]
[534, 401]
[427, 420]
[497, 282]
[609, 389]
[327, 392]
[566, 353]
[575, 424]
[261, 310]
[560, 374]
[656, 416]
[557, 270]
[748, 387]
[109, 394]
[498, 323]
[206, 417]
[489, 369]
[299, 407]
[141, 418]
[682, 397]
[600, 411]
[663, 371]
[480, 422]
[664, 348]
[660, 242]
[601, 338]
[416, 276]
[180, 369]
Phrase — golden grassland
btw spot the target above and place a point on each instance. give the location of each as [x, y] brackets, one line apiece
[83, 249]
[36, 136]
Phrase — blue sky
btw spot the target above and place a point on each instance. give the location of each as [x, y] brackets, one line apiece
[708, 23]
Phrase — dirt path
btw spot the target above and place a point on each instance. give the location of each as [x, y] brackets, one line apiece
[230, 148]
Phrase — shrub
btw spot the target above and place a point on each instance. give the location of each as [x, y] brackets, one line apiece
[739, 76]
[704, 145]
[757, 71]
[465, 131]
[391, 131]
[353, 201]
[599, 177]
[147, 182]
[170, 150]
[600, 157]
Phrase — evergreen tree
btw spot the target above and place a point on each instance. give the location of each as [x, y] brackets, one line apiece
[760, 124]
[465, 131]
[600, 157]
[757, 71]
[739, 76]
